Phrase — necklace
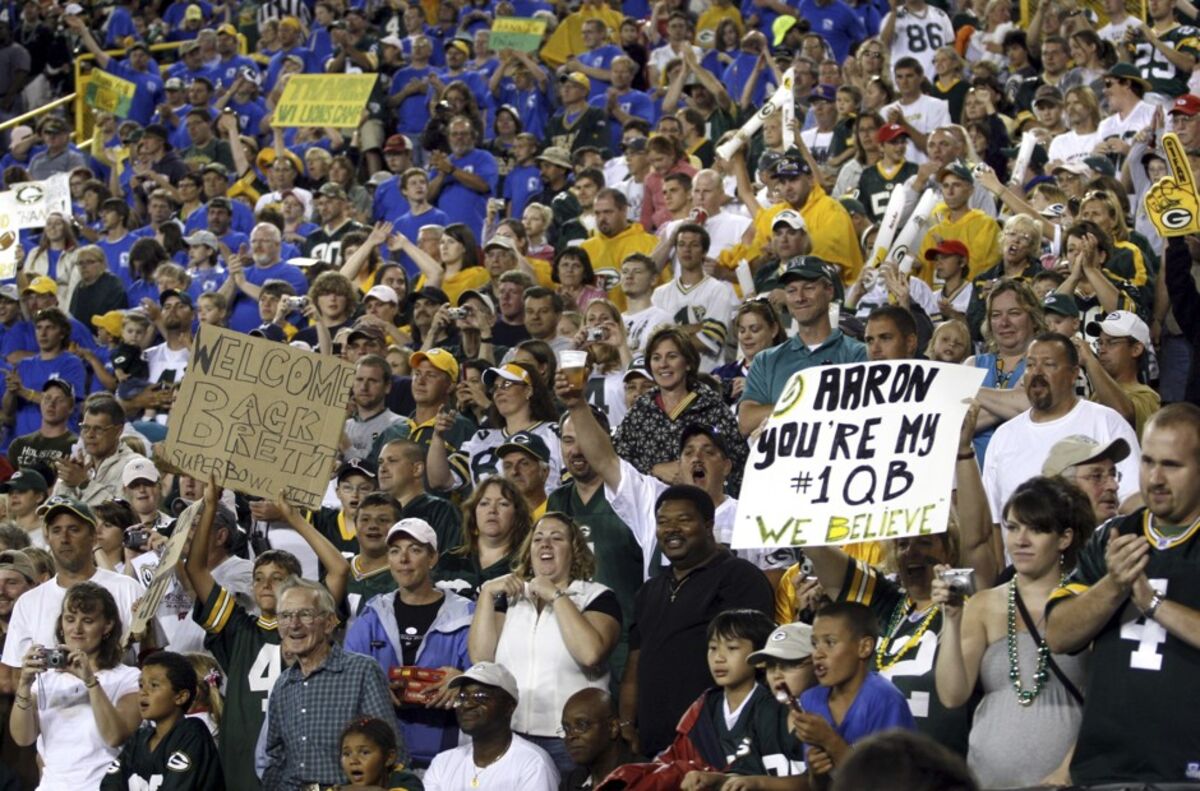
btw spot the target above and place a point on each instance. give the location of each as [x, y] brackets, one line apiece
[882, 663]
[480, 769]
[1025, 697]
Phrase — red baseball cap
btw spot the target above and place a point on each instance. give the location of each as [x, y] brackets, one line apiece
[1188, 104]
[948, 247]
[890, 132]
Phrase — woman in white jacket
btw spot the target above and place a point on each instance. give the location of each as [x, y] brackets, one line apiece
[550, 625]
[54, 257]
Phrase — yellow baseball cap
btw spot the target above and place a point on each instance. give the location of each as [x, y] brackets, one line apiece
[577, 77]
[440, 359]
[510, 371]
[110, 322]
[42, 285]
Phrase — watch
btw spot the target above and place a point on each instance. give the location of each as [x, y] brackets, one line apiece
[1155, 602]
[560, 592]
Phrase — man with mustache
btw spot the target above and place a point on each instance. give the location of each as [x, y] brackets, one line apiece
[1092, 467]
[1055, 412]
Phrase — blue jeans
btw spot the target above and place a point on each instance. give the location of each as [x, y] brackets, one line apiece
[1174, 366]
[557, 749]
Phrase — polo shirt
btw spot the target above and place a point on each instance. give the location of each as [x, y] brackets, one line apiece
[671, 619]
[773, 367]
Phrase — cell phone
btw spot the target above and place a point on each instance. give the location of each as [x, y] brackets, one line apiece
[167, 378]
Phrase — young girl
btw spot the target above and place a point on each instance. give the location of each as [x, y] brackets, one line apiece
[209, 705]
[169, 744]
[369, 757]
[951, 342]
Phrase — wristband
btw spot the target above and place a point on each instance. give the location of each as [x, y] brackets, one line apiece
[95, 683]
[1155, 602]
[966, 455]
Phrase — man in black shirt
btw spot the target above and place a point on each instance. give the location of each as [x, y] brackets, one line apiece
[99, 290]
[402, 475]
[667, 668]
[325, 243]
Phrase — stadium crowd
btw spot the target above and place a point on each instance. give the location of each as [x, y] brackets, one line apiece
[572, 289]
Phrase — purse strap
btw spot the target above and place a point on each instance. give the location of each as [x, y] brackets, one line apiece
[1037, 639]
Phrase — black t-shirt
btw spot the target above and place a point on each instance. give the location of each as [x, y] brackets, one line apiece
[413, 621]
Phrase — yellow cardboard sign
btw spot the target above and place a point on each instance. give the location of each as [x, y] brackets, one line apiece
[335, 100]
[519, 33]
[109, 93]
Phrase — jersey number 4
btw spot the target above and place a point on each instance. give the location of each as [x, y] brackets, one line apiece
[1148, 635]
[266, 668]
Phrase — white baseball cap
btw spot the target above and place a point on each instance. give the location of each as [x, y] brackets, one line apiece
[1121, 324]
[139, 469]
[383, 294]
[417, 529]
[489, 674]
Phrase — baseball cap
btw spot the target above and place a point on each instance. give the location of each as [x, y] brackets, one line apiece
[1078, 168]
[823, 93]
[1121, 324]
[139, 468]
[694, 429]
[439, 358]
[417, 529]
[958, 169]
[948, 247]
[52, 125]
[193, 12]
[479, 295]
[1101, 166]
[1188, 104]
[202, 237]
[806, 267]
[525, 442]
[638, 367]
[635, 145]
[63, 502]
[18, 561]
[19, 135]
[890, 132]
[182, 296]
[331, 190]
[173, 84]
[577, 77]
[1127, 71]
[489, 674]
[397, 144]
[110, 322]
[1047, 93]
[227, 30]
[853, 206]
[365, 329]
[25, 480]
[55, 380]
[42, 285]
[790, 218]
[383, 294]
[460, 45]
[431, 293]
[509, 371]
[189, 46]
[1062, 304]
[1081, 449]
[354, 467]
[790, 642]
[555, 156]
[499, 240]
[9, 291]
[790, 167]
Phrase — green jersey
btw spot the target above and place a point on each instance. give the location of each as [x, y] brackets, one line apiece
[1164, 76]
[907, 653]
[363, 586]
[331, 523]
[875, 187]
[619, 557]
[444, 518]
[247, 649]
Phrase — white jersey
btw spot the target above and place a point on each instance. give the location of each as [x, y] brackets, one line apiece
[1115, 31]
[1073, 147]
[920, 35]
[1125, 128]
[710, 302]
[926, 114]
[639, 326]
[483, 462]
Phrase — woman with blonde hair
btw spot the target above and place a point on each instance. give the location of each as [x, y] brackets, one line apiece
[536, 219]
[551, 626]
[949, 81]
[54, 257]
[209, 703]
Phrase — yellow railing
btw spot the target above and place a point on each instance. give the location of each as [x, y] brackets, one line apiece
[29, 116]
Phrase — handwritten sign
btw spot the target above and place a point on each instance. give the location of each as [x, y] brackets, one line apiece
[164, 573]
[109, 93]
[519, 33]
[859, 452]
[335, 100]
[263, 417]
[27, 204]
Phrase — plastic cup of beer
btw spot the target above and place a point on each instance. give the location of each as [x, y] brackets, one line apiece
[573, 364]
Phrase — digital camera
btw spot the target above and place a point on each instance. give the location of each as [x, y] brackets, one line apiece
[456, 314]
[56, 657]
[961, 581]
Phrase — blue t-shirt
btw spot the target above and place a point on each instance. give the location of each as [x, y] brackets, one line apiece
[878, 706]
[21, 337]
[149, 93]
[242, 221]
[737, 74]
[521, 184]
[206, 281]
[244, 316]
[34, 371]
[475, 84]
[636, 103]
[413, 113]
[174, 14]
[836, 22]
[409, 224]
[250, 115]
[226, 71]
[533, 106]
[389, 203]
[466, 205]
[120, 27]
[599, 58]
[117, 254]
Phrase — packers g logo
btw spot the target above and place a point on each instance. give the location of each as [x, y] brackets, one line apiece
[29, 194]
[1176, 218]
[789, 398]
[179, 762]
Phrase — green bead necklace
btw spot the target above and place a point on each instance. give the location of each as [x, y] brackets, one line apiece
[1025, 697]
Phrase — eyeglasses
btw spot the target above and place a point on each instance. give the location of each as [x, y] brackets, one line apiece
[505, 384]
[1100, 476]
[577, 727]
[1108, 343]
[479, 697]
[92, 430]
[349, 488]
[306, 616]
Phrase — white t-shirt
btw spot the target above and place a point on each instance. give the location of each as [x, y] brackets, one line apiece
[961, 301]
[159, 358]
[711, 302]
[925, 115]
[1138, 119]
[1115, 31]
[919, 36]
[639, 326]
[1073, 147]
[725, 229]
[36, 614]
[523, 766]
[660, 57]
[69, 742]
[1019, 447]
